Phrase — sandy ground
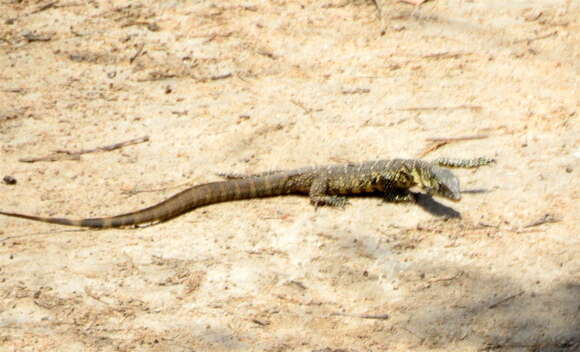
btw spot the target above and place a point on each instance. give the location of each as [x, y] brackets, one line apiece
[247, 86]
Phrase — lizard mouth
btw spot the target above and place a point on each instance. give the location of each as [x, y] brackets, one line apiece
[452, 195]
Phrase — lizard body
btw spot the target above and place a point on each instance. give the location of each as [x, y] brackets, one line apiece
[325, 185]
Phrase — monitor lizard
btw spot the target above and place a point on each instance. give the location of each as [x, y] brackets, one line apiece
[325, 185]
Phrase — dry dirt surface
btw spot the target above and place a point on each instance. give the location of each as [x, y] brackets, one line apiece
[248, 86]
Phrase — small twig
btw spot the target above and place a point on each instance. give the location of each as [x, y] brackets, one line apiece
[546, 219]
[483, 225]
[529, 40]
[459, 274]
[444, 55]
[91, 294]
[456, 139]
[363, 316]
[298, 284]
[107, 148]
[356, 91]
[301, 106]
[259, 322]
[437, 143]
[267, 54]
[76, 155]
[222, 76]
[51, 157]
[442, 108]
[45, 7]
[14, 90]
[132, 192]
[214, 36]
[153, 27]
[430, 148]
[37, 37]
[138, 53]
[475, 191]
[502, 301]
[156, 76]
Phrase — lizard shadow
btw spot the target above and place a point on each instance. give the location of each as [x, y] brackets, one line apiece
[433, 207]
[425, 202]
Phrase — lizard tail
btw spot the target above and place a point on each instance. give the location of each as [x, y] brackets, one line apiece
[180, 203]
[60, 221]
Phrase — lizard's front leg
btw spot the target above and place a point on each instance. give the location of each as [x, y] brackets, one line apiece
[399, 195]
[318, 194]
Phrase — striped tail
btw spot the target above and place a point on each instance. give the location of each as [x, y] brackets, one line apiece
[185, 201]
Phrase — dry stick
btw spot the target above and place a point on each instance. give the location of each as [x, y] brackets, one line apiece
[363, 316]
[457, 139]
[437, 143]
[52, 157]
[546, 219]
[356, 91]
[446, 278]
[222, 76]
[439, 108]
[214, 36]
[138, 53]
[529, 40]
[444, 55]
[91, 294]
[301, 106]
[68, 155]
[108, 148]
[430, 148]
[37, 37]
[259, 322]
[492, 306]
[44, 7]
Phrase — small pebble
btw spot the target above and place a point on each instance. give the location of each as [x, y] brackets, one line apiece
[9, 180]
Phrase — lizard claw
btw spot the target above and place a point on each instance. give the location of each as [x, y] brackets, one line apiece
[333, 201]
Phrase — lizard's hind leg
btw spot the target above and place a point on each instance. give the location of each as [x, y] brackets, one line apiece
[319, 197]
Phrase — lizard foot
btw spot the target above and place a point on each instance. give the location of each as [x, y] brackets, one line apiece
[333, 201]
[400, 196]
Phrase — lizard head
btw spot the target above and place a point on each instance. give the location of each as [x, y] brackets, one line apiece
[441, 182]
